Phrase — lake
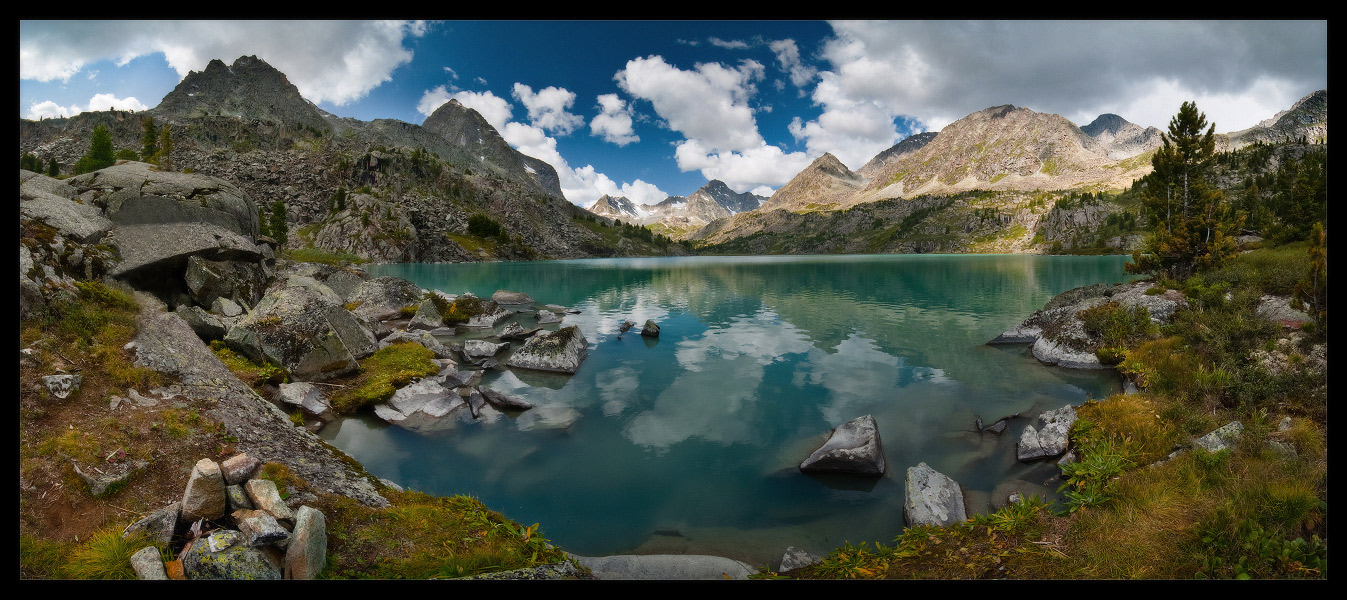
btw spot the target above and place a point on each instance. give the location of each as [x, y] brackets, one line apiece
[690, 442]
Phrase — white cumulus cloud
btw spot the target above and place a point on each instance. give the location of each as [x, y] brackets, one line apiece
[708, 104]
[332, 61]
[51, 110]
[548, 108]
[614, 121]
[110, 102]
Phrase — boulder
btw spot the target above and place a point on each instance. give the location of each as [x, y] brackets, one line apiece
[265, 496]
[343, 281]
[206, 325]
[224, 554]
[306, 554]
[148, 564]
[650, 329]
[508, 297]
[795, 558]
[239, 467]
[305, 396]
[481, 348]
[427, 317]
[237, 499]
[562, 350]
[382, 298]
[239, 280]
[503, 401]
[303, 328]
[515, 331]
[204, 497]
[62, 385]
[932, 498]
[1222, 438]
[546, 316]
[421, 405]
[1058, 334]
[852, 448]
[51, 202]
[421, 337]
[1049, 439]
[259, 528]
[158, 525]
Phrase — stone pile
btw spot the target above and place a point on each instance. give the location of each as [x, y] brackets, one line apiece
[236, 527]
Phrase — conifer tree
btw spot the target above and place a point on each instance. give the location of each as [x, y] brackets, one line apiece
[149, 142]
[1193, 226]
[165, 147]
[53, 169]
[100, 152]
[279, 230]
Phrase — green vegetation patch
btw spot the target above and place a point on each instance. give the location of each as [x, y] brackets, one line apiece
[382, 373]
[318, 255]
[429, 537]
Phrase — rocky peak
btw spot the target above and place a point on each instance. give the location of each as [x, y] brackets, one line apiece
[1107, 122]
[619, 207]
[1307, 118]
[826, 182]
[721, 194]
[249, 89]
[472, 140]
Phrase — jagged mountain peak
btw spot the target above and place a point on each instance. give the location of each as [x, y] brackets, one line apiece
[905, 146]
[249, 88]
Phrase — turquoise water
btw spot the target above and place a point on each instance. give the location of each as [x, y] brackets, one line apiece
[689, 443]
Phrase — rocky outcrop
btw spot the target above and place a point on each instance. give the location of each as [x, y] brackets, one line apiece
[931, 498]
[249, 89]
[383, 298]
[166, 344]
[561, 351]
[853, 448]
[1058, 332]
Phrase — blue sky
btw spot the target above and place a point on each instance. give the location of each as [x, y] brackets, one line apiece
[648, 109]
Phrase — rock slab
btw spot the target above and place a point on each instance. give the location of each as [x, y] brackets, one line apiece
[852, 448]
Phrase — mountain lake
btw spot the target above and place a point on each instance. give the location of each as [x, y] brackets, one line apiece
[689, 443]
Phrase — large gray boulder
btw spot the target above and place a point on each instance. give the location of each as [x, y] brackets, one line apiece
[1049, 438]
[383, 298]
[425, 338]
[853, 447]
[162, 218]
[427, 317]
[304, 329]
[562, 350]
[932, 498]
[1222, 438]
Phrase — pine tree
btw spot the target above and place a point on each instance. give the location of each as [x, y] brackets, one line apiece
[53, 169]
[1194, 227]
[279, 230]
[149, 142]
[100, 152]
[165, 153]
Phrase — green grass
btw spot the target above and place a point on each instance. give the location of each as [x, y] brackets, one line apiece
[382, 373]
[426, 537]
[104, 555]
[318, 255]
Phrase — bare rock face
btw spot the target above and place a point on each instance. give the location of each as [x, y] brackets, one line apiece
[562, 350]
[852, 448]
[932, 498]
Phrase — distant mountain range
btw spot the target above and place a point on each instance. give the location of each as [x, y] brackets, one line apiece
[245, 122]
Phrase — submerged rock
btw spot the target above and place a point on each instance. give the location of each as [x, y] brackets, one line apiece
[932, 498]
[853, 448]
[508, 297]
[546, 316]
[562, 350]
